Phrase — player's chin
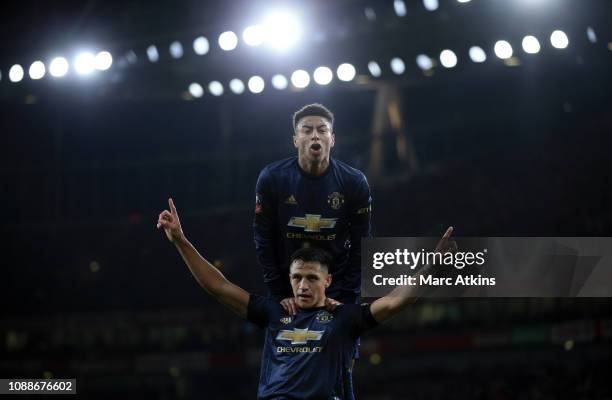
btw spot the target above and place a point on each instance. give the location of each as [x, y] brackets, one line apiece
[305, 301]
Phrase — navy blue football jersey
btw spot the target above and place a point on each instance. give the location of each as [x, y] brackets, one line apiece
[308, 355]
[294, 209]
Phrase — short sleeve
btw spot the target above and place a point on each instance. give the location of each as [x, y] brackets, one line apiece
[258, 310]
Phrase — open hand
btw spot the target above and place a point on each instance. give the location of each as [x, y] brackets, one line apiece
[289, 305]
[169, 221]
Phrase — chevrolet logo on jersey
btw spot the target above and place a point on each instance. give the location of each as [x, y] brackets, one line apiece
[299, 336]
[312, 222]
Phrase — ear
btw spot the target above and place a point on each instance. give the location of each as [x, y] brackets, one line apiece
[333, 140]
[328, 280]
[295, 144]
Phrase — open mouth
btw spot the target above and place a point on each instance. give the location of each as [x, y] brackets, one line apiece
[304, 296]
[315, 146]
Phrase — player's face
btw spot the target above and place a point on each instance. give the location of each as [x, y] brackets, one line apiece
[309, 282]
[314, 139]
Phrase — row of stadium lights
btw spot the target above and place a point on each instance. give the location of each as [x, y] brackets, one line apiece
[346, 72]
[280, 30]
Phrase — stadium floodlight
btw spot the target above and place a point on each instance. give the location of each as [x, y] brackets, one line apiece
[152, 53]
[400, 8]
[37, 70]
[16, 73]
[369, 13]
[397, 66]
[431, 5]
[448, 58]
[477, 54]
[84, 63]
[103, 60]
[279, 82]
[196, 90]
[463, 1]
[215, 88]
[253, 35]
[282, 30]
[176, 49]
[323, 75]
[559, 40]
[503, 49]
[256, 84]
[201, 45]
[591, 35]
[374, 69]
[424, 62]
[531, 44]
[346, 72]
[236, 86]
[58, 67]
[300, 79]
[228, 40]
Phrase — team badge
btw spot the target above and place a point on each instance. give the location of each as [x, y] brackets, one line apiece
[335, 200]
[324, 317]
[286, 320]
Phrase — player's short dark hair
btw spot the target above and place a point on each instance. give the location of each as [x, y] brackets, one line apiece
[315, 109]
[313, 254]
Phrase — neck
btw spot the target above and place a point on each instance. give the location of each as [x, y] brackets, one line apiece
[313, 168]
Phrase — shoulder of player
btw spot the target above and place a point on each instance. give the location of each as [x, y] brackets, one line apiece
[348, 171]
[279, 166]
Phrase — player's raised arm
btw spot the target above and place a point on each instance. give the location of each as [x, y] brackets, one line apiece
[403, 296]
[209, 277]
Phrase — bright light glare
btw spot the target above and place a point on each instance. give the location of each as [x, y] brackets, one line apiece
[201, 45]
[424, 62]
[591, 35]
[463, 1]
[400, 8]
[256, 84]
[37, 70]
[282, 30]
[346, 72]
[176, 49]
[531, 45]
[152, 53]
[103, 61]
[215, 88]
[431, 5]
[253, 35]
[236, 86]
[559, 40]
[84, 63]
[397, 66]
[503, 49]
[374, 69]
[477, 54]
[323, 75]
[58, 67]
[300, 79]
[448, 59]
[196, 90]
[279, 82]
[16, 73]
[228, 40]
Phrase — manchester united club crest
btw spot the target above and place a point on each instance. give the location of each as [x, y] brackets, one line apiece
[335, 200]
[324, 317]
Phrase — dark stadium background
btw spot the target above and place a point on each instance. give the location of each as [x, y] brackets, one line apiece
[91, 290]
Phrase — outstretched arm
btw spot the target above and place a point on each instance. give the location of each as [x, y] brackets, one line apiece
[209, 277]
[403, 296]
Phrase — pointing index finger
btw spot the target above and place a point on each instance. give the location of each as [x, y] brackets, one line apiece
[448, 233]
[171, 204]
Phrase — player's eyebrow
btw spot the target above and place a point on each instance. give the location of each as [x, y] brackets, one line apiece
[322, 126]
